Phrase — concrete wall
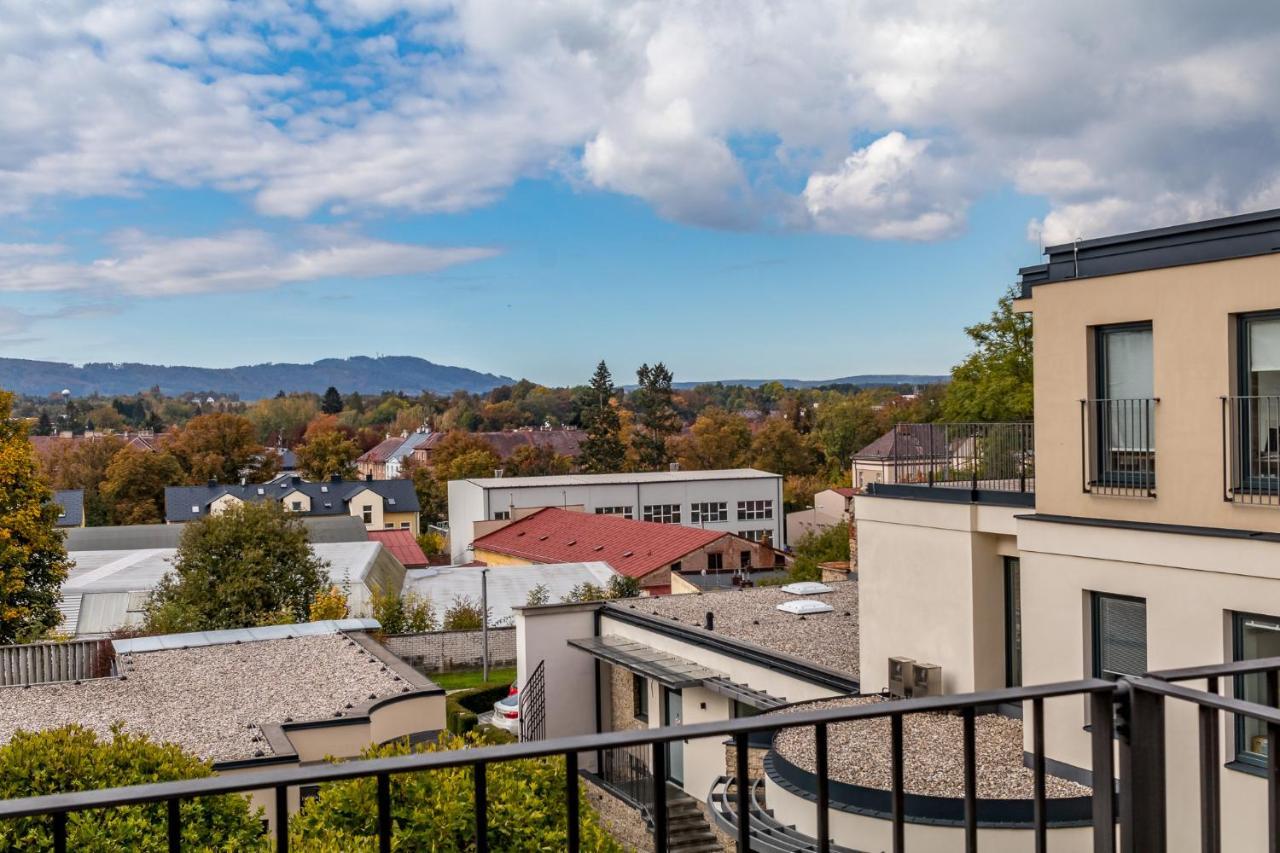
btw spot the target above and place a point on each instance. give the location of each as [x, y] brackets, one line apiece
[442, 651]
[931, 587]
[542, 634]
[1190, 308]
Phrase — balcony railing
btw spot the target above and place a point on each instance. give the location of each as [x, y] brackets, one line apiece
[1118, 447]
[1251, 450]
[1132, 709]
[980, 457]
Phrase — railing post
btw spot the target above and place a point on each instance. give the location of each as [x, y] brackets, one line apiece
[282, 819]
[384, 813]
[479, 772]
[660, 798]
[824, 787]
[175, 826]
[744, 793]
[897, 798]
[571, 805]
[1102, 711]
[1210, 791]
[1142, 771]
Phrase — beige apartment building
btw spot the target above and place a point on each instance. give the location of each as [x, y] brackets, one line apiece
[1140, 530]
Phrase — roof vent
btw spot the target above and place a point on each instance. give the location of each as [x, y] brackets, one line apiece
[521, 533]
[391, 501]
[261, 491]
[324, 489]
[572, 542]
[497, 473]
[627, 553]
[195, 508]
[542, 538]
[598, 548]
[807, 588]
[803, 608]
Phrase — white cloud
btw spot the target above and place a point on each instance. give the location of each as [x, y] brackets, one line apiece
[144, 265]
[715, 113]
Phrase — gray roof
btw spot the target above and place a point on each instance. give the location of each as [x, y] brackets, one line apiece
[508, 585]
[410, 444]
[196, 639]
[330, 497]
[621, 479]
[131, 537]
[71, 502]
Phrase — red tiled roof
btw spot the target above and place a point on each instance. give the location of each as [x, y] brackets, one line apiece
[843, 491]
[402, 546]
[631, 548]
[381, 451]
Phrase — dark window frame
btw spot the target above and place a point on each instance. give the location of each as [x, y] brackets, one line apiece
[1248, 480]
[1012, 614]
[1238, 618]
[1103, 474]
[1095, 629]
[716, 557]
[639, 697]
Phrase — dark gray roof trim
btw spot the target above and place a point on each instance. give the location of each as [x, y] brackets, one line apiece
[1241, 236]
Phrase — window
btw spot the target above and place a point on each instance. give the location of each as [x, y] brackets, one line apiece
[744, 559]
[404, 525]
[624, 511]
[387, 525]
[502, 515]
[701, 513]
[739, 710]
[754, 535]
[366, 512]
[1119, 636]
[715, 561]
[1123, 414]
[296, 506]
[1012, 622]
[662, 513]
[639, 697]
[1255, 637]
[676, 566]
[754, 510]
[1257, 412]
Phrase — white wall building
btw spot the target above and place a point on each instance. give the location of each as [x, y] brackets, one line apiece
[739, 500]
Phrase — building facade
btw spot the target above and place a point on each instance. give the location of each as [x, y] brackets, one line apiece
[379, 504]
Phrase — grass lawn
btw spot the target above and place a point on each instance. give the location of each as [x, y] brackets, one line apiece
[464, 678]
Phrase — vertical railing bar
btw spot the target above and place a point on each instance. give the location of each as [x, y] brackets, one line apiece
[744, 792]
[1102, 718]
[970, 781]
[1210, 798]
[1273, 788]
[1037, 759]
[384, 812]
[174, 822]
[659, 798]
[59, 832]
[824, 787]
[479, 773]
[571, 803]
[895, 732]
[282, 819]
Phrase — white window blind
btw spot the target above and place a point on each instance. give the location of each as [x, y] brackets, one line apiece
[1130, 375]
[1264, 345]
[1121, 635]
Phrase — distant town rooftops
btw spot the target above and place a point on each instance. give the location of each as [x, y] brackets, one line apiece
[326, 497]
[563, 441]
[214, 700]
[632, 548]
[561, 480]
[751, 616]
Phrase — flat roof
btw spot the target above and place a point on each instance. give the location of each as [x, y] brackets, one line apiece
[751, 616]
[560, 480]
[211, 700]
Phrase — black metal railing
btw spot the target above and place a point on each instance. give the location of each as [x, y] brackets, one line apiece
[1118, 447]
[533, 704]
[1137, 705]
[625, 771]
[1251, 450]
[977, 456]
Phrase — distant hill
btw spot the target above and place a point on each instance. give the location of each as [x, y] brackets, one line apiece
[869, 380]
[252, 382]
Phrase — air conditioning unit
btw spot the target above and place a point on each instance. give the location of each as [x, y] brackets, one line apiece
[899, 676]
[926, 680]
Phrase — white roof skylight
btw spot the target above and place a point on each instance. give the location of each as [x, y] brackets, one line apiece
[806, 588]
[801, 607]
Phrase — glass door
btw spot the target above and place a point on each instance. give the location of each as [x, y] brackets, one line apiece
[672, 715]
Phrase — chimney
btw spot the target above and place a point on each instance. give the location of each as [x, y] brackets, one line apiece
[368, 478]
[213, 481]
[711, 621]
[295, 479]
[498, 472]
[675, 466]
[335, 478]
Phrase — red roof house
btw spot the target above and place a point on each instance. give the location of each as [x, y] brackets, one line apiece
[402, 545]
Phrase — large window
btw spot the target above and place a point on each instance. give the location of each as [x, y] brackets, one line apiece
[1255, 637]
[639, 697]
[1012, 622]
[701, 513]
[1124, 414]
[1257, 412]
[754, 510]
[715, 561]
[1119, 636]
[624, 511]
[662, 513]
[366, 514]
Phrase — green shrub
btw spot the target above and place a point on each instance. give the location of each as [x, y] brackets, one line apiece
[459, 720]
[435, 810]
[73, 758]
[481, 699]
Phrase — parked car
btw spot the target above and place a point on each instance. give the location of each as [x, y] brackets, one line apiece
[506, 712]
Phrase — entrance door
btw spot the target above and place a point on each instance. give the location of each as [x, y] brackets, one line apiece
[672, 710]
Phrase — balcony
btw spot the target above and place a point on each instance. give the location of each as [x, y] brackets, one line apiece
[977, 462]
[1251, 450]
[1118, 447]
[1129, 713]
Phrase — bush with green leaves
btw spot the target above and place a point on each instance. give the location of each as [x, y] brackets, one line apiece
[404, 614]
[73, 758]
[435, 810]
[830, 544]
[464, 614]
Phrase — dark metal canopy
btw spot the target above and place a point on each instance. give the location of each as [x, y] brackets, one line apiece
[744, 694]
[665, 668]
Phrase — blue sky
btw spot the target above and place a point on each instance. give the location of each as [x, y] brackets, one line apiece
[528, 190]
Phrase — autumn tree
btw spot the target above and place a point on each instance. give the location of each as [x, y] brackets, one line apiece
[843, 428]
[603, 452]
[135, 483]
[778, 448]
[248, 565]
[33, 556]
[656, 416]
[530, 460]
[221, 446]
[994, 383]
[283, 419]
[82, 464]
[331, 403]
[718, 439]
[327, 450]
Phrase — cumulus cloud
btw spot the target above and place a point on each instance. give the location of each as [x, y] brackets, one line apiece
[725, 114]
[144, 265]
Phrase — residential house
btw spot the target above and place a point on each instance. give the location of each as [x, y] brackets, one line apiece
[380, 504]
[646, 551]
[742, 501]
[387, 459]
[830, 507]
[70, 507]
[1136, 529]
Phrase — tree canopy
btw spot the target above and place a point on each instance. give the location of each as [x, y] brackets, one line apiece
[248, 565]
[994, 383]
[603, 452]
[656, 417]
[135, 483]
[221, 446]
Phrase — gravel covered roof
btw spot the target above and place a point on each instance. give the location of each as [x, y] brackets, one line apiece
[751, 615]
[210, 699]
[933, 756]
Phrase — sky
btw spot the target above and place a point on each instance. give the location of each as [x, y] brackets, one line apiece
[742, 189]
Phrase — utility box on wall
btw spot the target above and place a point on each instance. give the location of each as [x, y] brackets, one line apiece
[926, 680]
[900, 676]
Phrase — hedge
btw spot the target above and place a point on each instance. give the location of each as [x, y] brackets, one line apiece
[464, 707]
